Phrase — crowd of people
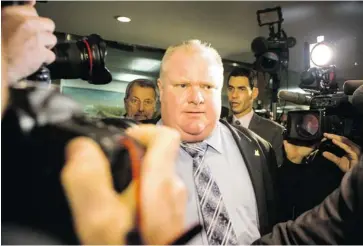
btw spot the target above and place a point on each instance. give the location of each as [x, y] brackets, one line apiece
[236, 177]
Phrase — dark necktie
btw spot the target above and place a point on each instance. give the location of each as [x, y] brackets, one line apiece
[216, 220]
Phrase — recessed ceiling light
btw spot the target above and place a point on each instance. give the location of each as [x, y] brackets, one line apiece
[123, 19]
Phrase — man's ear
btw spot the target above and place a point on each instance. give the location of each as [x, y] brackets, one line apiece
[160, 86]
[254, 93]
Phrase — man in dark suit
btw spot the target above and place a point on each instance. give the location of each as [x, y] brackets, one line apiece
[242, 91]
[228, 172]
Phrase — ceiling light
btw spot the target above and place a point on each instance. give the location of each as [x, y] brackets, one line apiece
[123, 19]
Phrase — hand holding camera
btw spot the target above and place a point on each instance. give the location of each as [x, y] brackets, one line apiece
[347, 158]
[351, 156]
[295, 153]
[28, 40]
[104, 216]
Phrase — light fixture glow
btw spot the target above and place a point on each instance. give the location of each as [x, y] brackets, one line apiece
[145, 65]
[320, 39]
[123, 19]
[128, 77]
[321, 54]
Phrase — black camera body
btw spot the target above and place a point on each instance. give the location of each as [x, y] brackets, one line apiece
[272, 53]
[82, 59]
[306, 127]
[36, 129]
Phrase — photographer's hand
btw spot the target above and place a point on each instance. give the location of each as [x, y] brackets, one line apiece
[27, 39]
[350, 159]
[295, 153]
[103, 216]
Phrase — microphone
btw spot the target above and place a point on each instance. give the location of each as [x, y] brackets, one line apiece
[350, 86]
[357, 99]
[295, 97]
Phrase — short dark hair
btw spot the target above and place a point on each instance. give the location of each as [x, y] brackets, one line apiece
[146, 83]
[244, 72]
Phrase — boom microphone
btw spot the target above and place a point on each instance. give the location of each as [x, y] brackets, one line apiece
[350, 86]
[295, 97]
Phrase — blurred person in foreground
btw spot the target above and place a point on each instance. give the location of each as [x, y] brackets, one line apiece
[101, 216]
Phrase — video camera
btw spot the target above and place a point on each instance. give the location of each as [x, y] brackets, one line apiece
[272, 53]
[330, 109]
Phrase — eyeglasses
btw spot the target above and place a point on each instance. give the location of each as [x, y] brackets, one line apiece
[146, 103]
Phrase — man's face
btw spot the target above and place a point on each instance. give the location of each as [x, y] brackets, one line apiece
[141, 103]
[190, 94]
[240, 95]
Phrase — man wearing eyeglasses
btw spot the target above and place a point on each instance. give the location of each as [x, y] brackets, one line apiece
[140, 99]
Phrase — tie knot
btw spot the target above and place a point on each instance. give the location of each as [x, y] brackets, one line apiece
[195, 149]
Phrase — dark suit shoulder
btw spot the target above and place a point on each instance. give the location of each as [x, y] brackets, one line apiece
[249, 134]
[269, 123]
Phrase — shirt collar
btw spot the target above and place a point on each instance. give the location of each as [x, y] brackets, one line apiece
[214, 140]
[244, 120]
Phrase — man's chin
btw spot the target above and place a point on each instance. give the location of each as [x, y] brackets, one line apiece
[236, 111]
[196, 133]
[140, 117]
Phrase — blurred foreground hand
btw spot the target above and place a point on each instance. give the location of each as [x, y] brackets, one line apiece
[103, 216]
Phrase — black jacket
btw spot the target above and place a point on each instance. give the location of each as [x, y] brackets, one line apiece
[337, 220]
[261, 164]
[303, 186]
[268, 130]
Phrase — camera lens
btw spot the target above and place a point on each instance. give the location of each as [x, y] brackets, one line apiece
[83, 59]
[308, 126]
[268, 62]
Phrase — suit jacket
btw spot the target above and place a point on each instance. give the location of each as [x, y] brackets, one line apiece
[261, 164]
[338, 220]
[268, 130]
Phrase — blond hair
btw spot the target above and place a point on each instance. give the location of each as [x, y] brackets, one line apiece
[192, 46]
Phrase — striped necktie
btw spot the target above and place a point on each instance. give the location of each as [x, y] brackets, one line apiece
[217, 224]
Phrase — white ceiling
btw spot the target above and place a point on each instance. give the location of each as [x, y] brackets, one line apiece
[228, 26]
